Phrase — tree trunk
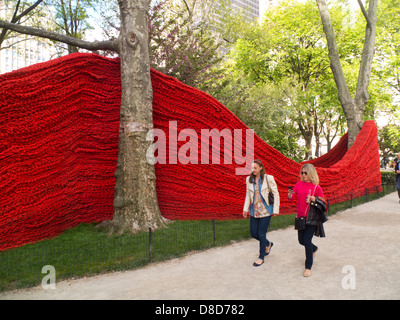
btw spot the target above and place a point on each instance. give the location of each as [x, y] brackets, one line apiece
[307, 132]
[308, 140]
[135, 201]
[353, 108]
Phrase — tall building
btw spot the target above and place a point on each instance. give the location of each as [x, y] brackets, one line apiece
[24, 53]
[264, 5]
[250, 7]
[22, 50]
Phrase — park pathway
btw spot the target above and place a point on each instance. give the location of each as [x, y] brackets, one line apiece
[359, 259]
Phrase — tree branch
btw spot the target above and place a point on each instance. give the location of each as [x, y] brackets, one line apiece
[187, 7]
[367, 56]
[16, 42]
[16, 17]
[365, 13]
[24, 13]
[88, 45]
[336, 66]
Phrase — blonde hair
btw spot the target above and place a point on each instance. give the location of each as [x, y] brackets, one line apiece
[312, 173]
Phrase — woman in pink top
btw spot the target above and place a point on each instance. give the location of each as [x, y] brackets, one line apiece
[306, 190]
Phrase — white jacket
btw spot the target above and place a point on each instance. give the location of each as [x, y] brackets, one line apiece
[264, 193]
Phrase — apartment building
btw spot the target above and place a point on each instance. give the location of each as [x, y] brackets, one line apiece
[250, 7]
[22, 50]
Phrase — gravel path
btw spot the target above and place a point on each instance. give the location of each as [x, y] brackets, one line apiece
[359, 259]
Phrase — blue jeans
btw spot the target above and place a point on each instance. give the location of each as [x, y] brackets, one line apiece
[398, 184]
[305, 238]
[258, 230]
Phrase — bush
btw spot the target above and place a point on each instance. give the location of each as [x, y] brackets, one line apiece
[388, 177]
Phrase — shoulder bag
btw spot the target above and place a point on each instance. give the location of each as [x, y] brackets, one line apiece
[270, 194]
[300, 222]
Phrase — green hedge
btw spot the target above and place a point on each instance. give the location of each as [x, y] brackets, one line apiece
[388, 177]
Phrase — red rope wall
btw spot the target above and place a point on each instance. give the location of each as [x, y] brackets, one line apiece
[59, 143]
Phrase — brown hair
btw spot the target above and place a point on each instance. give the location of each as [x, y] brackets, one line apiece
[262, 172]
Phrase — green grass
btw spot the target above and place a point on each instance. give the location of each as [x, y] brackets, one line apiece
[86, 250]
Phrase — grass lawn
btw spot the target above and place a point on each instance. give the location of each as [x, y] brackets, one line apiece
[86, 250]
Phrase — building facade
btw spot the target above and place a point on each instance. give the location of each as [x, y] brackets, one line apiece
[250, 7]
[21, 50]
[24, 52]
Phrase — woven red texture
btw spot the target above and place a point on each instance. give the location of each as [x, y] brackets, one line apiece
[59, 143]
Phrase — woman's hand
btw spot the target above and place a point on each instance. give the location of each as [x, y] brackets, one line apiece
[290, 193]
[312, 198]
[245, 214]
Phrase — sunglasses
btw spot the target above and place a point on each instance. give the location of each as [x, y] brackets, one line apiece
[304, 173]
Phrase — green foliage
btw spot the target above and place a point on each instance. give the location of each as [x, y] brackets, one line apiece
[286, 57]
[181, 46]
[72, 18]
[388, 177]
[262, 107]
[389, 140]
[387, 66]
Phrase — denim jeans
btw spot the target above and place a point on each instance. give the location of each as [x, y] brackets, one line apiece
[258, 230]
[305, 238]
[398, 184]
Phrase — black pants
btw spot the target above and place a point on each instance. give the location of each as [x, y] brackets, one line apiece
[398, 184]
[305, 238]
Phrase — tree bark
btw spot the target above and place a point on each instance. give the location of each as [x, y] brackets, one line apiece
[88, 45]
[135, 201]
[354, 108]
[307, 132]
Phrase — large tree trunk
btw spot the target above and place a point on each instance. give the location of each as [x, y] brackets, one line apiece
[135, 200]
[353, 108]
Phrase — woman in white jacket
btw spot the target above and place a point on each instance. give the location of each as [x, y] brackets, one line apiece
[258, 185]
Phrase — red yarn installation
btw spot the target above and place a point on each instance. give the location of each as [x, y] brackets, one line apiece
[59, 129]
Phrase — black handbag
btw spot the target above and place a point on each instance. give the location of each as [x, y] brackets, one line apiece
[270, 194]
[299, 223]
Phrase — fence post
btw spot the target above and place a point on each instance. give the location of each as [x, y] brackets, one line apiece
[150, 253]
[213, 225]
[351, 199]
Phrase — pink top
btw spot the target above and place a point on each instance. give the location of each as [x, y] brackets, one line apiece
[301, 190]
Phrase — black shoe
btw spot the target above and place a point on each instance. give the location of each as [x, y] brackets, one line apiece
[257, 265]
[269, 249]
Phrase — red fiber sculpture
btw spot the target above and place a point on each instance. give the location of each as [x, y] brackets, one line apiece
[59, 128]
